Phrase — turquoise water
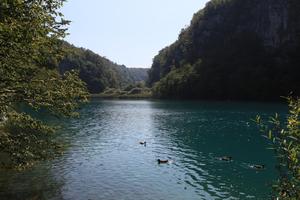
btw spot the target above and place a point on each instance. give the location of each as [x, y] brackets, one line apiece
[106, 161]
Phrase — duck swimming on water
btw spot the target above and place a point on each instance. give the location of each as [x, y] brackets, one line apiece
[162, 161]
[226, 158]
[143, 143]
[259, 167]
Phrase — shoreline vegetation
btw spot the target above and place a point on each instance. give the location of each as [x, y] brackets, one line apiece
[148, 94]
[284, 140]
[106, 96]
[130, 92]
[31, 34]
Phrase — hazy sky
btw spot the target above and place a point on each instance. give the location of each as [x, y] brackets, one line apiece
[129, 32]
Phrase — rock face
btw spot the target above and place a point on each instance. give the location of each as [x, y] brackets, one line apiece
[272, 22]
[236, 41]
[275, 22]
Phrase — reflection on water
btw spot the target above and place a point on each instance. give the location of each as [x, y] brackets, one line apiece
[34, 184]
[106, 161]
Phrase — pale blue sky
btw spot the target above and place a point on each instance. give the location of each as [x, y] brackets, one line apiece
[129, 32]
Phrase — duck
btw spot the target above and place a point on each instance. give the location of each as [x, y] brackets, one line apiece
[143, 143]
[162, 161]
[226, 158]
[259, 167]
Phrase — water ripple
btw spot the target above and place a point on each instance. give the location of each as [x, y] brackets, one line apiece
[106, 161]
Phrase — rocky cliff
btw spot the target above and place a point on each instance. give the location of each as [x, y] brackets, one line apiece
[233, 49]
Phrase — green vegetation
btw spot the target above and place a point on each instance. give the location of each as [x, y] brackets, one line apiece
[286, 143]
[233, 50]
[43, 72]
[138, 74]
[30, 33]
[98, 72]
[131, 91]
[175, 83]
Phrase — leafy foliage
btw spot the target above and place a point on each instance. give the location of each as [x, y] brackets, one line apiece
[98, 72]
[132, 91]
[249, 50]
[286, 142]
[30, 33]
[138, 74]
[175, 83]
[25, 140]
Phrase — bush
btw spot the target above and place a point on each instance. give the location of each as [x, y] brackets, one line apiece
[286, 143]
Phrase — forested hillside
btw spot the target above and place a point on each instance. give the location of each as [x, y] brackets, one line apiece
[97, 71]
[138, 74]
[233, 50]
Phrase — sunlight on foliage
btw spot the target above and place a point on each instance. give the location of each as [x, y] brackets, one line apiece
[285, 138]
[30, 37]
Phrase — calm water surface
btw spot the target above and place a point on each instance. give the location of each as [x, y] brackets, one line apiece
[106, 161]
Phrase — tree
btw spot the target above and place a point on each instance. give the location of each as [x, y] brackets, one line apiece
[286, 143]
[30, 48]
[238, 62]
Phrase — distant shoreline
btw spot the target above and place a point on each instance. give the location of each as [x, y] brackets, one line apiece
[107, 96]
[150, 97]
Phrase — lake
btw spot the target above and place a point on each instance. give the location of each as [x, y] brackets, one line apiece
[105, 160]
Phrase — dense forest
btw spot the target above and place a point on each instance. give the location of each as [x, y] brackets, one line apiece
[98, 72]
[233, 50]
